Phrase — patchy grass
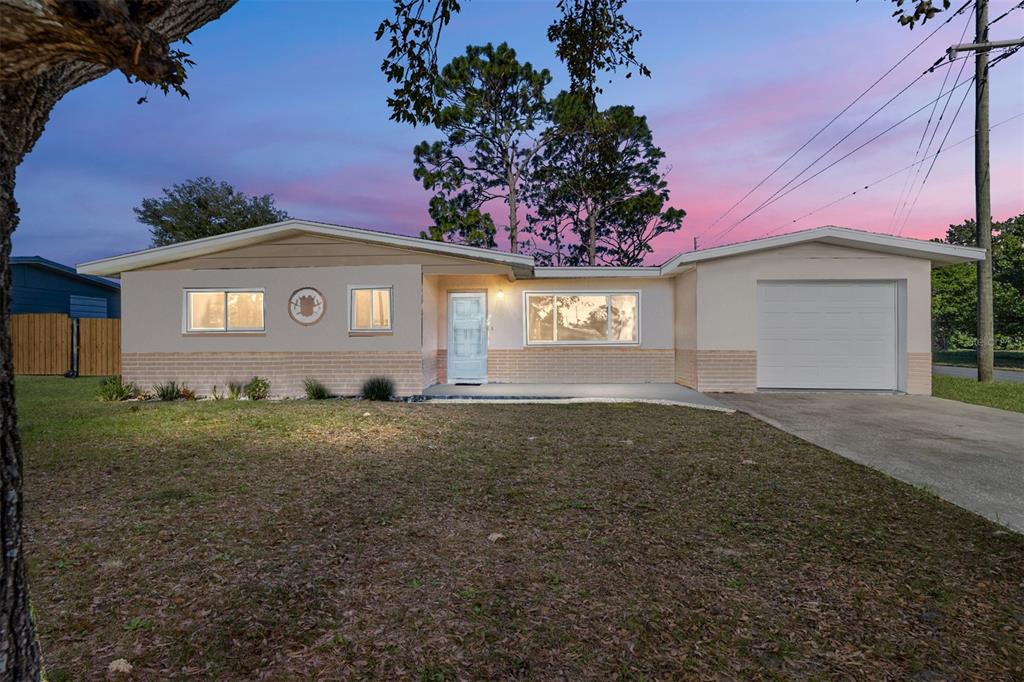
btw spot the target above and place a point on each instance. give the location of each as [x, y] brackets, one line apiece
[341, 539]
[1004, 359]
[1005, 395]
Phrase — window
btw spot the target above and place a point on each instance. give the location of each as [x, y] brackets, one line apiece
[223, 311]
[584, 317]
[371, 309]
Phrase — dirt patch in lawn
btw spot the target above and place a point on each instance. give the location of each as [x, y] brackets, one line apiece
[341, 539]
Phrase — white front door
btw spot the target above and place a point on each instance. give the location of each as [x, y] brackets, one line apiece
[827, 335]
[467, 337]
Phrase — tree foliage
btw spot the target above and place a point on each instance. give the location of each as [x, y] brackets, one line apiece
[493, 114]
[203, 207]
[600, 182]
[460, 220]
[954, 288]
[593, 37]
[917, 11]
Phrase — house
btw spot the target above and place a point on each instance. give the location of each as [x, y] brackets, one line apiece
[828, 308]
[40, 285]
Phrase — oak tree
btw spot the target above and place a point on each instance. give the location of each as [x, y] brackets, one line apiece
[203, 207]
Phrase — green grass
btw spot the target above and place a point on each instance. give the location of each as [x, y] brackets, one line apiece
[1004, 359]
[351, 539]
[1005, 395]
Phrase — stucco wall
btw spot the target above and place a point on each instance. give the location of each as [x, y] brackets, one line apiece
[727, 289]
[685, 328]
[505, 305]
[153, 302]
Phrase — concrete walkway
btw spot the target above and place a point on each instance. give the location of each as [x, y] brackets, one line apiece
[970, 455]
[663, 393]
[972, 373]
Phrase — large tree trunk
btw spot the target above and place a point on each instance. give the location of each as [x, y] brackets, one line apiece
[513, 212]
[35, 73]
[19, 652]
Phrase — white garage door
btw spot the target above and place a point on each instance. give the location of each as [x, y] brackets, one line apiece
[826, 335]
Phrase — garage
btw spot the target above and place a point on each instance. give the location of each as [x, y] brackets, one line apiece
[827, 335]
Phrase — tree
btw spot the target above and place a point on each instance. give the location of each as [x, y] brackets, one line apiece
[457, 220]
[954, 300]
[593, 37]
[49, 49]
[203, 207]
[629, 228]
[600, 177]
[911, 13]
[489, 108]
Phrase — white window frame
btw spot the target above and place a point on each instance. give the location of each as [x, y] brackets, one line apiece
[352, 308]
[573, 292]
[186, 317]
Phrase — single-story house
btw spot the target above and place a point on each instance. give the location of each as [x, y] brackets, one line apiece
[827, 308]
[40, 285]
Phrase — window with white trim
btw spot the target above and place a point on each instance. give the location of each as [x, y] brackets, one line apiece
[370, 309]
[224, 310]
[582, 318]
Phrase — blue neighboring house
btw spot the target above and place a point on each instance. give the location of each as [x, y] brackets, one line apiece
[41, 285]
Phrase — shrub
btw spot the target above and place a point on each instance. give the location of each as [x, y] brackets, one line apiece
[115, 388]
[315, 390]
[235, 390]
[257, 389]
[169, 391]
[186, 393]
[378, 388]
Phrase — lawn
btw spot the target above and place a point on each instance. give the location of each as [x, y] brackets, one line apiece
[1005, 395]
[311, 540]
[1004, 359]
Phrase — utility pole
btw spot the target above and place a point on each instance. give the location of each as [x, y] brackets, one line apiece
[982, 180]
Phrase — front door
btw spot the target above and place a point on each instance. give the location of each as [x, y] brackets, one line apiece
[467, 338]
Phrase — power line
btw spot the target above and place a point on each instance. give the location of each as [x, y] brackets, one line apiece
[837, 116]
[935, 158]
[1017, 6]
[779, 194]
[908, 184]
[881, 180]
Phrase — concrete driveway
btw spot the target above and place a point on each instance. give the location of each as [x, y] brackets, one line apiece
[970, 455]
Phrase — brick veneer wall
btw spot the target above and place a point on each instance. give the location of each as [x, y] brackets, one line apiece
[579, 365]
[430, 362]
[730, 371]
[342, 372]
[686, 367]
[919, 373]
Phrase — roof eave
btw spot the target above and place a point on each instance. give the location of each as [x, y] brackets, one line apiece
[164, 254]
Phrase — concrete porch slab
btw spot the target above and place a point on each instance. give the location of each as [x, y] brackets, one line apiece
[660, 393]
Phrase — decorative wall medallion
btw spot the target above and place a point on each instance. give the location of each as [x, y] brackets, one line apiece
[306, 305]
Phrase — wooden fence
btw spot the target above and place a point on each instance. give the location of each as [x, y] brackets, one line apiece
[99, 346]
[42, 344]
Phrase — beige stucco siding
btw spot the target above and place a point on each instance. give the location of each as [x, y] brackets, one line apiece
[505, 305]
[309, 250]
[727, 289]
[153, 307]
[685, 328]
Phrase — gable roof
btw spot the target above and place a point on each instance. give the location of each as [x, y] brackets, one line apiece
[254, 235]
[937, 252]
[66, 270]
[523, 265]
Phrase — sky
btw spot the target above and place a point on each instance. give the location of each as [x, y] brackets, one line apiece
[287, 98]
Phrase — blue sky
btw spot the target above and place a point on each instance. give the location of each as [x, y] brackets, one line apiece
[287, 98]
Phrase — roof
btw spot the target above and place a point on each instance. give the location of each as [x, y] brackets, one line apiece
[67, 270]
[254, 235]
[938, 253]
